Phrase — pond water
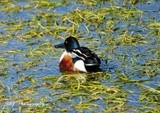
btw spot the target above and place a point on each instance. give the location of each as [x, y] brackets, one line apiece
[124, 34]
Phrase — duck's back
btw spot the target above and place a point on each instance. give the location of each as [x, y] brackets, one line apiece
[90, 59]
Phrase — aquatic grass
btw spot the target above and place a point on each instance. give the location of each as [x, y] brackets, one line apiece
[97, 17]
[3, 66]
[149, 96]
[10, 8]
[121, 12]
[155, 109]
[37, 54]
[90, 3]
[40, 50]
[70, 21]
[130, 39]
[65, 91]
[14, 27]
[31, 64]
[90, 90]
[2, 95]
[155, 27]
[3, 41]
[126, 84]
[14, 51]
[48, 4]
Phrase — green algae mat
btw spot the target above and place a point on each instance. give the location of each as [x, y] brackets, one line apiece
[124, 33]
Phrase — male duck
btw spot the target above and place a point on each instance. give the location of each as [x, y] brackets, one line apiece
[76, 58]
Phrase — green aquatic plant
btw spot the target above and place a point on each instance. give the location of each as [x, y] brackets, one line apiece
[155, 27]
[3, 66]
[124, 36]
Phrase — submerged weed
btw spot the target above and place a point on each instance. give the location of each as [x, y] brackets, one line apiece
[119, 31]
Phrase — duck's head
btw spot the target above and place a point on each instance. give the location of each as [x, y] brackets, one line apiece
[69, 44]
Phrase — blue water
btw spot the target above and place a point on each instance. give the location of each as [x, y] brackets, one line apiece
[48, 66]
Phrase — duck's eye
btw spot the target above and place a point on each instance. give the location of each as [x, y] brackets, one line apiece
[66, 42]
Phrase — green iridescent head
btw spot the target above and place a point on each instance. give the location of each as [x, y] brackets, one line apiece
[71, 43]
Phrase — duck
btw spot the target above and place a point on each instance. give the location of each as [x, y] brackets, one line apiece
[76, 58]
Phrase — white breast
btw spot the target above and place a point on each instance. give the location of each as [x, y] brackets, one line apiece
[79, 65]
[62, 56]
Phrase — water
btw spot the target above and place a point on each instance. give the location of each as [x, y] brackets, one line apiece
[30, 29]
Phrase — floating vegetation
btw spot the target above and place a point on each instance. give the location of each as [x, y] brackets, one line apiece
[125, 35]
[3, 66]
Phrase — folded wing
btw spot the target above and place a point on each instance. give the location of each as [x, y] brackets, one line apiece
[88, 56]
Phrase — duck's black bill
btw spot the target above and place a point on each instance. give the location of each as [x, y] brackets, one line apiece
[59, 45]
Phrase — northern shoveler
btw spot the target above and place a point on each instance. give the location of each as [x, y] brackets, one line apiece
[76, 58]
